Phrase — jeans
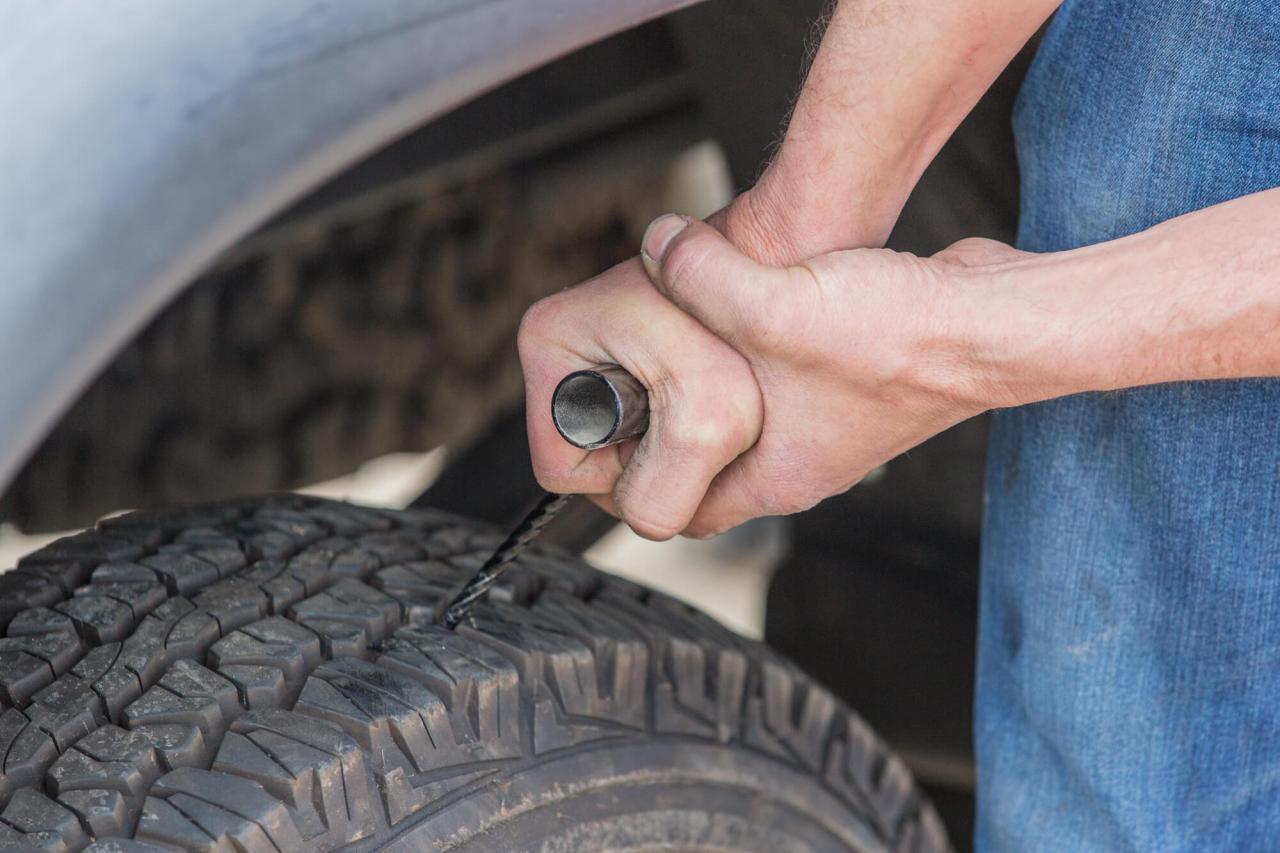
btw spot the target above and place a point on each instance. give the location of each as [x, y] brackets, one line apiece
[1128, 691]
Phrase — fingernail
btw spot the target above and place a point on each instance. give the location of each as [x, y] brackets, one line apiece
[657, 237]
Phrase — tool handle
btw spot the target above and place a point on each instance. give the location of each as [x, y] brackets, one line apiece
[601, 406]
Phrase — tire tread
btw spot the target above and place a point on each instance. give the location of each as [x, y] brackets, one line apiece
[277, 682]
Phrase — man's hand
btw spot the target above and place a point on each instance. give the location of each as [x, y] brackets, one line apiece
[770, 388]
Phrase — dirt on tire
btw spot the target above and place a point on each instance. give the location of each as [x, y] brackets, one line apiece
[267, 674]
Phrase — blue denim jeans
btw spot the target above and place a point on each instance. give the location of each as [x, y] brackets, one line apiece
[1128, 690]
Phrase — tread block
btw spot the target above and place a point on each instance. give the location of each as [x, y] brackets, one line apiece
[38, 823]
[181, 572]
[58, 648]
[393, 546]
[91, 546]
[122, 572]
[28, 663]
[302, 527]
[574, 579]
[232, 603]
[702, 690]
[447, 542]
[140, 596]
[21, 673]
[348, 519]
[176, 744]
[189, 637]
[146, 651]
[274, 641]
[420, 587]
[224, 555]
[315, 769]
[354, 563]
[22, 589]
[67, 710]
[126, 762]
[37, 621]
[354, 603]
[620, 651]
[404, 729]
[26, 750]
[385, 712]
[582, 682]
[98, 618]
[257, 686]
[349, 616]
[164, 824]
[75, 771]
[479, 687]
[101, 674]
[341, 639]
[276, 582]
[866, 773]
[103, 811]
[263, 542]
[231, 807]
[188, 693]
[799, 714]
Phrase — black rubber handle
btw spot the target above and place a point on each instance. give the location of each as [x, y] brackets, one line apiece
[599, 407]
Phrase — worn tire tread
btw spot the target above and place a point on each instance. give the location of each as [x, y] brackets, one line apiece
[267, 675]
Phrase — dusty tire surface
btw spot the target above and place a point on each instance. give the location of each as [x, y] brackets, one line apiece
[265, 674]
[315, 348]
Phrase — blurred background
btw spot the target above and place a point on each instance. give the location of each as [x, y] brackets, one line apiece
[362, 346]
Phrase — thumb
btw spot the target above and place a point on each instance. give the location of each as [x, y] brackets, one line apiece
[694, 266]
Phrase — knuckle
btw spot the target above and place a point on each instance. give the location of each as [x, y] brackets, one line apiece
[553, 478]
[705, 435]
[556, 475]
[539, 319]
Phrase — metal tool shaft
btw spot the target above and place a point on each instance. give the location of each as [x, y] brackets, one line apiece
[524, 533]
[591, 409]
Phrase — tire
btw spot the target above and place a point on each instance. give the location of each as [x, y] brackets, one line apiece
[321, 346]
[265, 675]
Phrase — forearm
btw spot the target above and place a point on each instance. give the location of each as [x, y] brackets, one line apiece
[1196, 297]
[889, 84]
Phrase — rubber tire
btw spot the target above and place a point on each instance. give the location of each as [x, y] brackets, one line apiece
[265, 675]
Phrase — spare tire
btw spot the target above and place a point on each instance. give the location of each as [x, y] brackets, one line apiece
[265, 675]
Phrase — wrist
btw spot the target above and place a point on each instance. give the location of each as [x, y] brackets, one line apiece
[1024, 337]
[782, 221]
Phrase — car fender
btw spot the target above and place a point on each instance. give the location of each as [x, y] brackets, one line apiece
[138, 140]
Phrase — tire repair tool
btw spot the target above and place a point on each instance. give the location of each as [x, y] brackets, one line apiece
[591, 409]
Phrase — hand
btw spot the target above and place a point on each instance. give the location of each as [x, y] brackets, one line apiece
[770, 388]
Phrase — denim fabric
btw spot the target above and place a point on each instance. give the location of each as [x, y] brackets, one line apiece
[1128, 689]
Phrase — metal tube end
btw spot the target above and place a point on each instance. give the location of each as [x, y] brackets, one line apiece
[599, 407]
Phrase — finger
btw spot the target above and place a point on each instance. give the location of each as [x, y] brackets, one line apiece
[605, 502]
[698, 423]
[694, 266]
[618, 318]
[732, 499]
[545, 360]
[745, 490]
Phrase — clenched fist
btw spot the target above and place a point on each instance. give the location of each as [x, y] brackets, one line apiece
[769, 388]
